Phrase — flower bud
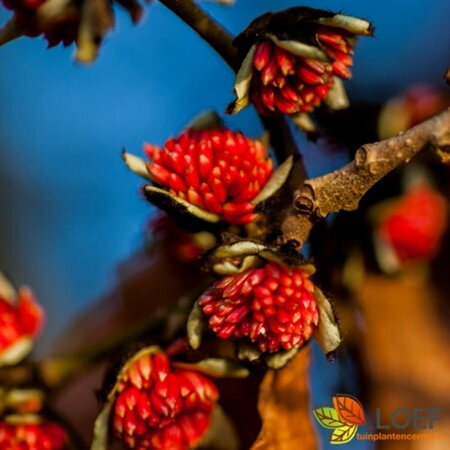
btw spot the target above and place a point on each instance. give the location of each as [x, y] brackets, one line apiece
[32, 436]
[295, 59]
[272, 305]
[418, 103]
[414, 225]
[213, 174]
[20, 321]
[161, 406]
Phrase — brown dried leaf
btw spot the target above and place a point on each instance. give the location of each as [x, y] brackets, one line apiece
[284, 408]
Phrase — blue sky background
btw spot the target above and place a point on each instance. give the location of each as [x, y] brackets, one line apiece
[70, 211]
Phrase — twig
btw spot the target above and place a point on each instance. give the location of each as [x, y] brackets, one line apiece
[344, 188]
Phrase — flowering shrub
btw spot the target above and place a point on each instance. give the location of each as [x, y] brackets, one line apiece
[245, 218]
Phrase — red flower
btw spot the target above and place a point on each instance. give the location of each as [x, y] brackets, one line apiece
[294, 59]
[39, 436]
[20, 322]
[160, 406]
[415, 225]
[272, 305]
[219, 171]
[286, 83]
[416, 104]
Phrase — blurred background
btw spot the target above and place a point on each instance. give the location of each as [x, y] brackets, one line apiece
[70, 210]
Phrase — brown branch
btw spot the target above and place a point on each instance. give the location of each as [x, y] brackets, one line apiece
[344, 188]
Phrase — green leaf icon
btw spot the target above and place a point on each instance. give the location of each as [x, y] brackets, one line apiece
[327, 417]
[343, 434]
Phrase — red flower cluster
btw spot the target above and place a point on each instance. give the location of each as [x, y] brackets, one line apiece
[39, 436]
[287, 83]
[20, 319]
[272, 305]
[160, 406]
[217, 170]
[416, 224]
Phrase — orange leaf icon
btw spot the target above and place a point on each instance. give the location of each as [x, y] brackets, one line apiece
[349, 409]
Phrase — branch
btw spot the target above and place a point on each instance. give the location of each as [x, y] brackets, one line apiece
[221, 41]
[344, 188]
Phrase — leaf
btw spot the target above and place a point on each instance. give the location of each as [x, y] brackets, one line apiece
[303, 121]
[204, 121]
[280, 359]
[196, 326]
[100, 440]
[20, 419]
[284, 408]
[343, 434]
[175, 205]
[16, 352]
[348, 23]
[349, 409]
[234, 258]
[241, 248]
[337, 97]
[275, 182]
[96, 20]
[299, 48]
[248, 352]
[328, 417]
[242, 84]
[24, 400]
[136, 165]
[7, 290]
[327, 333]
[216, 367]
[228, 268]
